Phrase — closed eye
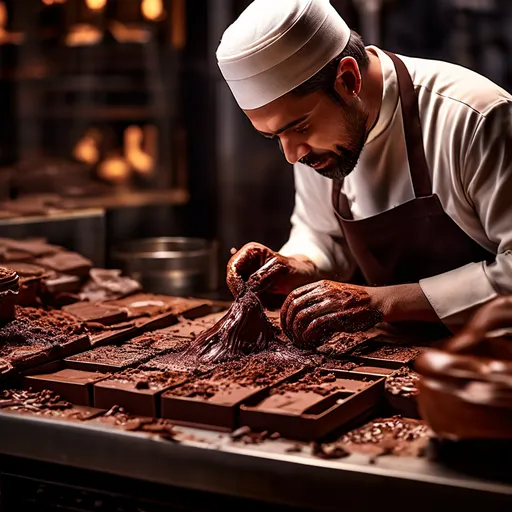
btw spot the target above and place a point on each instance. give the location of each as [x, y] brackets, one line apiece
[301, 129]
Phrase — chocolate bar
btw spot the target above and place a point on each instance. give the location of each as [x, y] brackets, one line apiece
[378, 351]
[310, 405]
[65, 262]
[44, 404]
[96, 313]
[137, 391]
[75, 386]
[36, 336]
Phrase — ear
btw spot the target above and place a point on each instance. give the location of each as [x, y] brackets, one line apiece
[348, 79]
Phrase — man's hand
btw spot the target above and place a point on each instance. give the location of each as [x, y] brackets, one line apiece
[313, 313]
[292, 272]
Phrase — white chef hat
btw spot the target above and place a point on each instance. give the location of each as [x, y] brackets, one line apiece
[276, 45]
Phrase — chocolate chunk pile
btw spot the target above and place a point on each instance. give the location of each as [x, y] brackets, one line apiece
[404, 383]
[343, 343]
[318, 382]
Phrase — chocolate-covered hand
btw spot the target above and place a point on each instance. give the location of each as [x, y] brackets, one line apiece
[292, 272]
[313, 313]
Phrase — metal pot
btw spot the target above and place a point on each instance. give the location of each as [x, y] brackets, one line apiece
[170, 265]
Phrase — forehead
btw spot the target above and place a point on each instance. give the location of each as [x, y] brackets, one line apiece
[282, 111]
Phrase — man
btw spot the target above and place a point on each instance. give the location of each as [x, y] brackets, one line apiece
[403, 170]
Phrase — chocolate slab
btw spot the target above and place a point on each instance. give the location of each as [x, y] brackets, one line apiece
[383, 368]
[135, 390]
[36, 336]
[36, 248]
[44, 404]
[57, 283]
[307, 407]
[213, 401]
[99, 313]
[75, 386]
[110, 358]
[396, 354]
[112, 334]
[66, 262]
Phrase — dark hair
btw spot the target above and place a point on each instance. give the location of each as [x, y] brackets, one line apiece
[325, 78]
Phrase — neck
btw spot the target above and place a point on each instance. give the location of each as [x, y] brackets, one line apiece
[371, 91]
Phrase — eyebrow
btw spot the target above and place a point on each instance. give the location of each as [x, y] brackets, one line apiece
[283, 129]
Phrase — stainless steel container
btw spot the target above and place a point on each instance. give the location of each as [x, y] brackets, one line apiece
[170, 265]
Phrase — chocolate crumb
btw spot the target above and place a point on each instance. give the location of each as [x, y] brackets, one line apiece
[240, 432]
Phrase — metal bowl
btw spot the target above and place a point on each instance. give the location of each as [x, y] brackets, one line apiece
[170, 265]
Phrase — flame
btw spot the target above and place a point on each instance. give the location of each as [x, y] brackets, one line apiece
[3, 16]
[139, 158]
[152, 9]
[96, 5]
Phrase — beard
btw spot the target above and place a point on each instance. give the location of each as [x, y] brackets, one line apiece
[344, 161]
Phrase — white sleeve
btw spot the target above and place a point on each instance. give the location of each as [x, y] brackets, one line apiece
[315, 230]
[486, 174]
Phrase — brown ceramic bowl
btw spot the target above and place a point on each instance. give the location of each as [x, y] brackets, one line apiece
[464, 397]
[9, 289]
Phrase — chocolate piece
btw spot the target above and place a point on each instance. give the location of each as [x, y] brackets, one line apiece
[44, 404]
[108, 284]
[343, 343]
[67, 263]
[56, 283]
[309, 406]
[36, 336]
[401, 389]
[243, 330]
[395, 435]
[214, 400]
[360, 367]
[117, 417]
[36, 247]
[137, 391]
[150, 305]
[9, 289]
[100, 313]
[388, 352]
[110, 358]
[106, 335]
[328, 452]
[72, 385]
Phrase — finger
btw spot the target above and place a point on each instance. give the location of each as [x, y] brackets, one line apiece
[241, 265]
[304, 303]
[308, 315]
[267, 275]
[291, 299]
[321, 329]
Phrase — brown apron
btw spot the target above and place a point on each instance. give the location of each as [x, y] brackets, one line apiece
[416, 239]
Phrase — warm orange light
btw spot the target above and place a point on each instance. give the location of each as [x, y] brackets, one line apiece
[152, 9]
[51, 2]
[96, 5]
[3, 15]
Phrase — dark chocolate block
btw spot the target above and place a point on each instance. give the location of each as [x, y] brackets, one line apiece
[311, 405]
[99, 313]
[401, 390]
[67, 263]
[56, 283]
[377, 368]
[150, 305]
[110, 358]
[213, 400]
[137, 391]
[111, 334]
[344, 343]
[36, 247]
[378, 351]
[44, 404]
[72, 385]
[36, 336]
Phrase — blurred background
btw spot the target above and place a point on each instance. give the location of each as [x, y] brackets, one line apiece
[114, 112]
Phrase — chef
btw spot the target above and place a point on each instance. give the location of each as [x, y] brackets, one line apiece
[402, 166]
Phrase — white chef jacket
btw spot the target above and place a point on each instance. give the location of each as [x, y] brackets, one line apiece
[467, 134]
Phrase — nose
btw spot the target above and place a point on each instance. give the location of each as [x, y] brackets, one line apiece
[293, 151]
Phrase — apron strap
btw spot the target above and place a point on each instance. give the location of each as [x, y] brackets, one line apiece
[340, 201]
[418, 166]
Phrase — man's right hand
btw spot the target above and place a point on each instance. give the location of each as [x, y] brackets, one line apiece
[297, 270]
